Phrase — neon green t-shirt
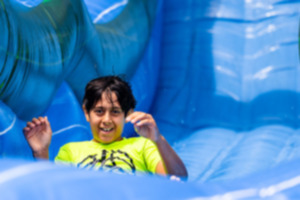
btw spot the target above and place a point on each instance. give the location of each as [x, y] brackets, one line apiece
[129, 155]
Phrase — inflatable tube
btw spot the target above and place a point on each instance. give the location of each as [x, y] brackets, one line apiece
[21, 179]
[40, 86]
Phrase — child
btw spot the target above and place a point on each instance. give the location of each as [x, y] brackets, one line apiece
[108, 104]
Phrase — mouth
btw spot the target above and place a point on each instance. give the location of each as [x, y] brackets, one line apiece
[106, 130]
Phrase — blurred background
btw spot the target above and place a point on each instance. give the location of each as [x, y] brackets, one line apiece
[221, 78]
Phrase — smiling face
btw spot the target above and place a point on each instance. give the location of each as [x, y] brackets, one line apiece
[106, 119]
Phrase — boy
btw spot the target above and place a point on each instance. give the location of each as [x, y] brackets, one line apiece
[108, 104]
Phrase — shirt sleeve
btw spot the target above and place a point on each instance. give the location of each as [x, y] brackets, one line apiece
[151, 155]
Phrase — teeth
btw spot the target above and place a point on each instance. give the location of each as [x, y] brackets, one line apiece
[106, 129]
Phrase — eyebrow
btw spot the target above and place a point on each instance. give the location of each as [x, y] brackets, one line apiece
[113, 107]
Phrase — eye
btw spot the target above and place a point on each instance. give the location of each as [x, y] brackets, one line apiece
[116, 111]
[99, 111]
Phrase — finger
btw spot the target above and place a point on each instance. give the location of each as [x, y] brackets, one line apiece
[30, 125]
[139, 117]
[41, 119]
[47, 124]
[26, 130]
[129, 117]
[36, 121]
[134, 115]
[46, 120]
[144, 122]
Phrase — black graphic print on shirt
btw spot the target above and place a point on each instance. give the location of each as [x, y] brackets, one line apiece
[107, 161]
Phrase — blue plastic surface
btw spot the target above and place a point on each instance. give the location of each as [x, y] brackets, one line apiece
[220, 78]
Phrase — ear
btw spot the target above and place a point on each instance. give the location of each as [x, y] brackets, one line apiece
[86, 114]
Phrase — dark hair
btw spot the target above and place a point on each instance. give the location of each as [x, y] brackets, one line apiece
[95, 88]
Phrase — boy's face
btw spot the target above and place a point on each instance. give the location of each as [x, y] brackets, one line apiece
[106, 119]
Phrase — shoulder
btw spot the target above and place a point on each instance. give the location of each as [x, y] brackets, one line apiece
[139, 142]
[136, 140]
[70, 150]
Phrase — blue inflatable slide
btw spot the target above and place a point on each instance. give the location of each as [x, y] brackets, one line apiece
[221, 78]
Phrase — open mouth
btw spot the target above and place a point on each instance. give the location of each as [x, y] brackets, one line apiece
[106, 129]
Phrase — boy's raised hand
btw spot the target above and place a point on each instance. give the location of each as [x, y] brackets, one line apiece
[38, 134]
[144, 124]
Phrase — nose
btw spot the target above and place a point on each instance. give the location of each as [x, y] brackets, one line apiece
[106, 118]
